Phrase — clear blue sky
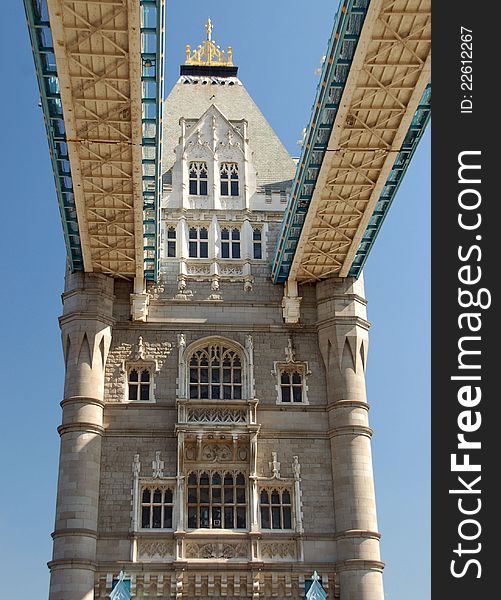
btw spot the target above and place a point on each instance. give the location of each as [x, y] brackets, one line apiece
[277, 46]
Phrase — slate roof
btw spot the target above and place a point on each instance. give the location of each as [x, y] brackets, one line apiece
[190, 100]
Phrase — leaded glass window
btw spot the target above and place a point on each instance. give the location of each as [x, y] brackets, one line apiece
[156, 507]
[198, 242]
[217, 500]
[139, 384]
[276, 509]
[215, 373]
[291, 386]
[228, 174]
[230, 242]
[198, 178]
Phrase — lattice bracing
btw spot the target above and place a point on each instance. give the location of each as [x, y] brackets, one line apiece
[108, 57]
[366, 114]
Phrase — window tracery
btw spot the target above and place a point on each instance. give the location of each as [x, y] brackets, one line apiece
[215, 372]
[228, 174]
[198, 178]
[217, 500]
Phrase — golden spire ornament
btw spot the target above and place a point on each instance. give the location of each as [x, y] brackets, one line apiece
[208, 52]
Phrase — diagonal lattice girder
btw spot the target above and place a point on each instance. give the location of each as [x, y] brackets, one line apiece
[365, 125]
[105, 72]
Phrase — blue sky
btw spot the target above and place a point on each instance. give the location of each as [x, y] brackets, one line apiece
[277, 46]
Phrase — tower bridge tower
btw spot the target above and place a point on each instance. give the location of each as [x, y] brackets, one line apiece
[208, 448]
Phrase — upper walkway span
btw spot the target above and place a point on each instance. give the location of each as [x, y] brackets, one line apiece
[371, 108]
[100, 72]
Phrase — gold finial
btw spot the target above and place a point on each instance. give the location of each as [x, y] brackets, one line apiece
[209, 53]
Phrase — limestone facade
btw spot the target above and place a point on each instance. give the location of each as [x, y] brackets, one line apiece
[208, 448]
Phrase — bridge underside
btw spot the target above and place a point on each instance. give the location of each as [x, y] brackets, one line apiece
[371, 108]
[99, 70]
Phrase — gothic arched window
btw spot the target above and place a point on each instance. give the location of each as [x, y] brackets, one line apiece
[228, 174]
[215, 373]
[217, 500]
[198, 178]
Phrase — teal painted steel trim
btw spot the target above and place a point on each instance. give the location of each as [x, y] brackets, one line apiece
[395, 178]
[152, 58]
[341, 48]
[152, 80]
[48, 84]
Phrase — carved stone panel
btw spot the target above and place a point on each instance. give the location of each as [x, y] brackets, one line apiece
[155, 550]
[218, 550]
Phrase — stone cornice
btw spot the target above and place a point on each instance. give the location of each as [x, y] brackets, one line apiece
[74, 531]
[359, 564]
[350, 430]
[86, 316]
[352, 320]
[81, 400]
[81, 427]
[356, 533]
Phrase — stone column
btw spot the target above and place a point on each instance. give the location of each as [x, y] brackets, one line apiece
[343, 340]
[86, 336]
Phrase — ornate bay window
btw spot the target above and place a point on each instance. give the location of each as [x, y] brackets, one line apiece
[228, 174]
[216, 500]
[215, 372]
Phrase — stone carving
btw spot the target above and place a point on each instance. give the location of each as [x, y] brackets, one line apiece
[140, 348]
[158, 466]
[195, 269]
[181, 340]
[284, 550]
[231, 270]
[290, 352]
[136, 466]
[156, 549]
[296, 467]
[216, 453]
[190, 452]
[274, 466]
[216, 550]
[216, 415]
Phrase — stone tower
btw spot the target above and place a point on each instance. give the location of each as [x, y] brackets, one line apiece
[209, 448]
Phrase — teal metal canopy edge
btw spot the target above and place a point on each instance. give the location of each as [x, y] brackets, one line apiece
[152, 58]
[48, 83]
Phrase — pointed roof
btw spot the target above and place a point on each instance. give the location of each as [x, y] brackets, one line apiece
[204, 82]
